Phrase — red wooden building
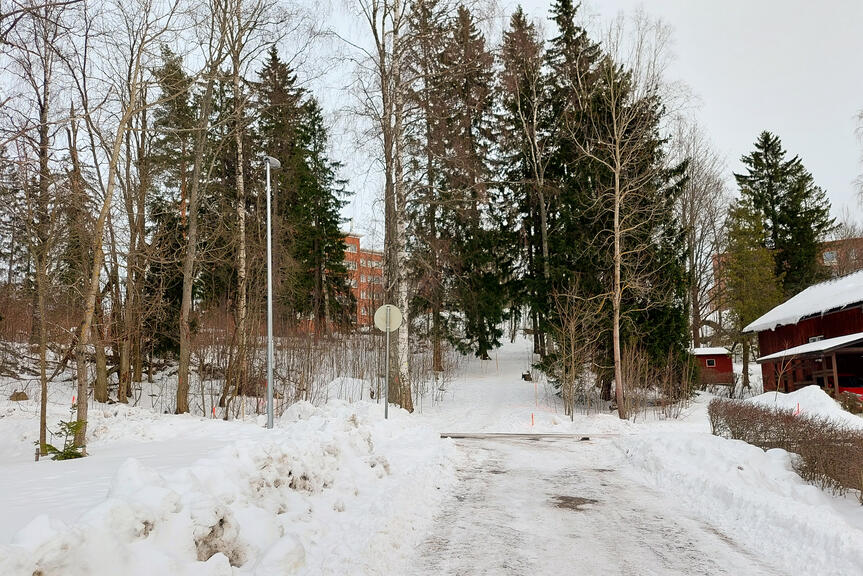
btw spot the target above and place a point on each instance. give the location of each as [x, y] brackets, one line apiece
[816, 337]
[715, 365]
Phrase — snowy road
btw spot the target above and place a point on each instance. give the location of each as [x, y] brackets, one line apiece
[559, 506]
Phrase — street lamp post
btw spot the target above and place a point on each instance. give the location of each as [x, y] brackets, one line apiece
[275, 165]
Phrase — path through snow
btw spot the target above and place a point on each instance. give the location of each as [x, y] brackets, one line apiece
[560, 506]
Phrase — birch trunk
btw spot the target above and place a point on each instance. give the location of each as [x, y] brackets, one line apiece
[191, 248]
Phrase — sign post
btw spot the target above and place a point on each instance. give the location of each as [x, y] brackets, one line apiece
[387, 319]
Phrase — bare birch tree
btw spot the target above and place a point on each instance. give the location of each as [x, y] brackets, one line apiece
[701, 206]
[621, 135]
[130, 34]
[35, 61]
[384, 94]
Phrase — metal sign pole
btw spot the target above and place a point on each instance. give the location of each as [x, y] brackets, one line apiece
[387, 385]
[269, 309]
[274, 164]
[387, 319]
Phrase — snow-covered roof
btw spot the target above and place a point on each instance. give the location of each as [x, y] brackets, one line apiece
[820, 346]
[709, 351]
[817, 299]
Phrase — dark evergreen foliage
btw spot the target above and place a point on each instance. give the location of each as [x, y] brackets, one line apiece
[796, 212]
[308, 199]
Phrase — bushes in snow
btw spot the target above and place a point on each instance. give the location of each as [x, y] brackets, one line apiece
[829, 453]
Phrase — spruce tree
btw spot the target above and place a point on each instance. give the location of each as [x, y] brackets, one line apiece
[313, 282]
[572, 60]
[477, 260]
[748, 273]
[171, 155]
[524, 147]
[428, 241]
[795, 211]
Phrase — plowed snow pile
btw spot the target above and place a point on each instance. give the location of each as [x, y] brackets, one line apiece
[312, 496]
[809, 401]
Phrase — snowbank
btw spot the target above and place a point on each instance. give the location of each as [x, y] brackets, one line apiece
[329, 487]
[753, 497]
[809, 401]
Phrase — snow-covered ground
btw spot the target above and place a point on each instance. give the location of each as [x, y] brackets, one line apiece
[327, 488]
[335, 489]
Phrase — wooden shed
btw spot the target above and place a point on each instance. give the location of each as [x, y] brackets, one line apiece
[815, 337]
[715, 366]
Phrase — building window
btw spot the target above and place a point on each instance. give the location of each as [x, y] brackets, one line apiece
[352, 248]
[350, 265]
[830, 257]
[711, 363]
[816, 338]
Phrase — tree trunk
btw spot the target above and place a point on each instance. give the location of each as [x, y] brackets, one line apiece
[694, 297]
[241, 229]
[404, 380]
[745, 342]
[43, 347]
[100, 389]
[191, 249]
[43, 240]
[617, 301]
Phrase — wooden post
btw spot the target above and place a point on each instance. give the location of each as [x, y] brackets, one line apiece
[835, 377]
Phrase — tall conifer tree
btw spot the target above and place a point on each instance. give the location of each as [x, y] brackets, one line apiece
[309, 197]
[795, 211]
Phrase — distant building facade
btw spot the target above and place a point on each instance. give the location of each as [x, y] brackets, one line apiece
[843, 256]
[366, 273]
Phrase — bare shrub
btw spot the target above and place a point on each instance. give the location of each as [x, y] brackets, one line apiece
[637, 374]
[666, 386]
[576, 333]
[851, 402]
[829, 454]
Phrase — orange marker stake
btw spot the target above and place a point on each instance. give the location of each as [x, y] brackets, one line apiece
[73, 400]
[531, 419]
[214, 411]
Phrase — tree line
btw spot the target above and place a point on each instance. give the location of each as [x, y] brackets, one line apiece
[541, 182]
[132, 185]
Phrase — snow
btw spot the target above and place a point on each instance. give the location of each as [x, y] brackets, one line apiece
[818, 299]
[814, 347]
[490, 396]
[707, 351]
[809, 401]
[328, 487]
[336, 489]
[753, 498]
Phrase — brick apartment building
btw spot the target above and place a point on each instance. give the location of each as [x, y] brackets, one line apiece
[366, 270]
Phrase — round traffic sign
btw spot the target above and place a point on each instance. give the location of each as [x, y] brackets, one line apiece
[395, 318]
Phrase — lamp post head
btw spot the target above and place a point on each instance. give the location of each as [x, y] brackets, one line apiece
[272, 162]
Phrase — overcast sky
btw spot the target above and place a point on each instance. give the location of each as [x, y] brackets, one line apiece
[793, 67]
